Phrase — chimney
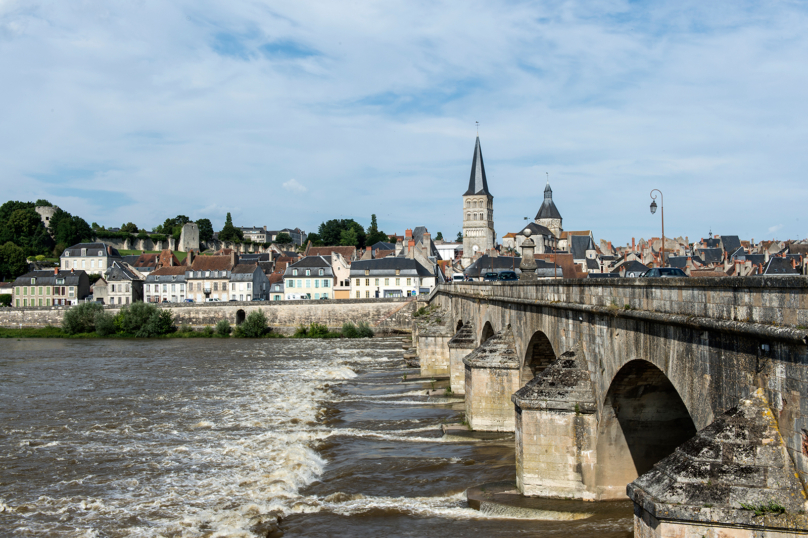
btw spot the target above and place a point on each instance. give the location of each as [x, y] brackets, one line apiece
[56, 271]
[408, 233]
[633, 246]
[72, 270]
[232, 257]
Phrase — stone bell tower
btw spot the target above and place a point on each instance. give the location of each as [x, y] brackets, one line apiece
[478, 211]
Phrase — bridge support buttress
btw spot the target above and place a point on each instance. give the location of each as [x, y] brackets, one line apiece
[492, 376]
[461, 345]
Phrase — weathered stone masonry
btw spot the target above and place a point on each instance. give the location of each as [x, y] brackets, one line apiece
[383, 314]
[665, 356]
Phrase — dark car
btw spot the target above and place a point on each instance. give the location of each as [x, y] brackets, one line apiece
[508, 276]
[490, 277]
[664, 272]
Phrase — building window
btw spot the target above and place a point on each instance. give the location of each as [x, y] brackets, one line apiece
[409, 282]
[322, 272]
[294, 272]
[326, 283]
[40, 290]
[317, 284]
[290, 283]
[308, 272]
[325, 296]
[377, 281]
[367, 272]
[299, 283]
[357, 296]
[357, 282]
[316, 295]
[386, 281]
[249, 285]
[398, 282]
[367, 295]
[398, 272]
[215, 286]
[367, 282]
[308, 283]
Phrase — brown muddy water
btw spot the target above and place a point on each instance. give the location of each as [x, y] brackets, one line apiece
[200, 438]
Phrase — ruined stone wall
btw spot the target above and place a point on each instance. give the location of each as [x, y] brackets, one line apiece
[695, 332]
[382, 314]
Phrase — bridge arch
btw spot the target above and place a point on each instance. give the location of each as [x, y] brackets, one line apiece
[240, 316]
[643, 420]
[487, 332]
[539, 354]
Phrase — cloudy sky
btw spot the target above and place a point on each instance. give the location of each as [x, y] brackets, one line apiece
[289, 113]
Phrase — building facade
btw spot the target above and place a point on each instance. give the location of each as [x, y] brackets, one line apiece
[478, 211]
[309, 278]
[248, 283]
[50, 288]
[94, 258]
[165, 285]
[390, 277]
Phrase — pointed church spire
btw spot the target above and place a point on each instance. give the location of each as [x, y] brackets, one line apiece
[477, 182]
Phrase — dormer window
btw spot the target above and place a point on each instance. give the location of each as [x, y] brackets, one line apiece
[367, 272]
[398, 272]
[294, 272]
[100, 252]
[322, 272]
[207, 274]
[308, 272]
[84, 252]
[67, 253]
[33, 281]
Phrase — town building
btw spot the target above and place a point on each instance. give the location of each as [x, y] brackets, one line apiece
[309, 278]
[392, 276]
[208, 277]
[478, 211]
[121, 284]
[51, 288]
[248, 283]
[256, 234]
[165, 285]
[94, 258]
[276, 286]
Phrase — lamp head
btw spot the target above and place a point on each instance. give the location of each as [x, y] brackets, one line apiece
[653, 207]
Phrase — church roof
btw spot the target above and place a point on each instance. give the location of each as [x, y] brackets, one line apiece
[477, 182]
[548, 209]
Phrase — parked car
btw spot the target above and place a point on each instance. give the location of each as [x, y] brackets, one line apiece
[508, 276]
[664, 272]
[189, 300]
[490, 277]
[458, 277]
[212, 300]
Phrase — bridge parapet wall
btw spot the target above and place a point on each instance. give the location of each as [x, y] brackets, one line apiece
[768, 300]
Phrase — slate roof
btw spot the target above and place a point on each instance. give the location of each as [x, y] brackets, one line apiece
[167, 275]
[483, 265]
[48, 278]
[381, 245]
[548, 209]
[387, 267]
[711, 255]
[592, 264]
[478, 184]
[731, 243]
[579, 244]
[311, 261]
[119, 272]
[632, 266]
[536, 229]
[243, 272]
[92, 250]
[779, 266]
[252, 258]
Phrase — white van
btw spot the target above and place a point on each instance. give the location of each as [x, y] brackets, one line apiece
[458, 277]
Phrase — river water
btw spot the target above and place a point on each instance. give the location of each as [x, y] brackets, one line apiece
[207, 437]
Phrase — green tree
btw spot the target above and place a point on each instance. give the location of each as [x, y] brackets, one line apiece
[459, 237]
[81, 318]
[330, 232]
[68, 229]
[5, 299]
[374, 235]
[129, 227]
[315, 239]
[439, 237]
[12, 261]
[205, 229]
[43, 203]
[255, 326]
[25, 229]
[348, 237]
[283, 238]
[230, 232]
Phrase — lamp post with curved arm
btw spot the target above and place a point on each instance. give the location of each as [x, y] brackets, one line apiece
[662, 214]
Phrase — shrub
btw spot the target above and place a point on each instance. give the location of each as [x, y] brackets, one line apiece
[364, 330]
[255, 326]
[349, 330]
[186, 328]
[318, 330]
[301, 332]
[5, 299]
[157, 237]
[159, 324]
[207, 332]
[81, 318]
[104, 324]
[223, 328]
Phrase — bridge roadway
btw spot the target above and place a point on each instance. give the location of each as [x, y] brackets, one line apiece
[666, 358]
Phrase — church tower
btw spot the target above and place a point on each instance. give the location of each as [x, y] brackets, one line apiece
[548, 215]
[478, 211]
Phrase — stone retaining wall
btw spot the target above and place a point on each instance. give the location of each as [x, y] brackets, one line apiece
[382, 314]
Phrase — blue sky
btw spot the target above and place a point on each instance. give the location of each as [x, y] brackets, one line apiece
[287, 114]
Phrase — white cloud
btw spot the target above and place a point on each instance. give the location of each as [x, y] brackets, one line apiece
[776, 228]
[293, 186]
[373, 110]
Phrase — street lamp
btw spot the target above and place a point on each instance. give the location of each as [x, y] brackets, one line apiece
[662, 214]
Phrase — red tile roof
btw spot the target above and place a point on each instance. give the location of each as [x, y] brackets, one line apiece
[346, 252]
[175, 270]
[212, 263]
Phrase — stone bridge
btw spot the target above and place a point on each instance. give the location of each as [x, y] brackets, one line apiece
[646, 365]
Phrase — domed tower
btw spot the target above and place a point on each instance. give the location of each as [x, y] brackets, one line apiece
[548, 215]
[478, 211]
